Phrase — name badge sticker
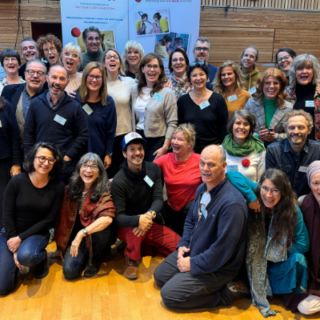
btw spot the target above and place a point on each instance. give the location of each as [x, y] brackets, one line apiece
[303, 169]
[232, 98]
[204, 104]
[148, 181]
[157, 97]
[232, 168]
[309, 103]
[87, 109]
[253, 90]
[60, 120]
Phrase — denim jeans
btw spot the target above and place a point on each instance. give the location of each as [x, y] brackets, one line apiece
[30, 253]
[101, 242]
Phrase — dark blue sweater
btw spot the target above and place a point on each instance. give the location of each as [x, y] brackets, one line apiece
[10, 145]
[218, 242]
[213, 70]
[71, 138]
[102, 124]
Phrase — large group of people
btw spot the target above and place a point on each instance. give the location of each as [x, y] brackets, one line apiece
[89, 144]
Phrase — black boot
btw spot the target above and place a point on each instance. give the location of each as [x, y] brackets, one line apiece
[41, 270]
[93, 268]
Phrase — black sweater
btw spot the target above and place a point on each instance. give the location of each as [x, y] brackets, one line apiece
[29, 210]
[10, 145]
[210, 123]
[71, 138]
[132, 196]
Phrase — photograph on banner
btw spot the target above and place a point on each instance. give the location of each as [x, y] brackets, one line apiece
[165, 44]
[107, 41]
[152, 21]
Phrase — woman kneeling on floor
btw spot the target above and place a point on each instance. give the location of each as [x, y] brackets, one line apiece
[84, 229]
[32, 201]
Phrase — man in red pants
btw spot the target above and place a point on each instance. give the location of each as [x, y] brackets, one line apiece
[137, 194]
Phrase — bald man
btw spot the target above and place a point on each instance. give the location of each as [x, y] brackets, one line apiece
[200, 273]
[56, 118]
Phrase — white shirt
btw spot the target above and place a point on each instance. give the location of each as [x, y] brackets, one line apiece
[254, 171]
[140, 106]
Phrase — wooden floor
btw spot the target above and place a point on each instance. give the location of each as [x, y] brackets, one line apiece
[109, 295]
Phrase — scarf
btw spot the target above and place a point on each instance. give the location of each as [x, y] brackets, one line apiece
[178, 85]
[252, 144]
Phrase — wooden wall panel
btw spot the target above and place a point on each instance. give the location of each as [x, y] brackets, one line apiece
[266, 29]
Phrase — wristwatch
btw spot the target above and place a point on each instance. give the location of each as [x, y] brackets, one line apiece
[153, 214]
[85, 231]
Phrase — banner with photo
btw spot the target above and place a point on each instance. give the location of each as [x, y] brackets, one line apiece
[110, 17]
[163, 25]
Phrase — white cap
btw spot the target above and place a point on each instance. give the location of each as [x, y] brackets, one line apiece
[130, 137]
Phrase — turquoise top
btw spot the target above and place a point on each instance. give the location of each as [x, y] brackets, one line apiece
[269, 110]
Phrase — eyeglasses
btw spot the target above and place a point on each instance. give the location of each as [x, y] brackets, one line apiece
[43, 159]
[92, 167]
[285, 58]
[91, 77]
[73, 55]
[204, 49]
[274, 192]
[32, 73]
[150, 67]
[112, 57]
[197, 63]
[52, 49]
[180, 60]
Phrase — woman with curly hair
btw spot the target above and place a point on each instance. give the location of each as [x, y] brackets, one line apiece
[132, 54]
[84, 229]
[304, 89]
[277, 239]
[229, 82]
[269, 106]
[32, 201]
[50, 48]
[154, 108]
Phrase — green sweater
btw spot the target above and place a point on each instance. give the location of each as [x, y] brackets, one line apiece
[269, 110]
[91, 57]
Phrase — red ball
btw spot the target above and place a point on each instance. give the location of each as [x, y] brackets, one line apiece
[138, 0]
[76, 32]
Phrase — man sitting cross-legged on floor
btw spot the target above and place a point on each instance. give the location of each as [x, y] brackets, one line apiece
[137, 193]
[210, 253]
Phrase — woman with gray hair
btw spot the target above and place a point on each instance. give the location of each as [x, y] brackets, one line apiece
[230, 83]
[245, 153]
[132, 54]
[181, 175]
[304, 89]
[84, 228]
[71, 59]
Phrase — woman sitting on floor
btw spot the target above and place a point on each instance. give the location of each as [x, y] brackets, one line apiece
[84, 229]
[32, 201]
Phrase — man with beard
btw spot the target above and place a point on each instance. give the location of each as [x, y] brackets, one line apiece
[55, 117]
[137, 195]
[248, 61]
[91, 39]
[294, 154]
[29, 52]
[21, 95]
[201, 50]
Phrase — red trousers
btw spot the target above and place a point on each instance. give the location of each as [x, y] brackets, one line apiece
[158, 241]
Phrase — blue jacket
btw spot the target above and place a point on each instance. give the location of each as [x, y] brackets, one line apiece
[70, 138]
[217, 242]
[280, 156]
[102, 124]
[213, 70]
[13, 93]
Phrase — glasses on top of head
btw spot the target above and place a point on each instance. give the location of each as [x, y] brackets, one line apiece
[43, 159]
[92, 167]
[32, 73]
[91, 77]
[274, 192]
[197, 62]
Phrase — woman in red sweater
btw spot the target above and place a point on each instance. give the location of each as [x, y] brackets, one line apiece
[181, 175]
